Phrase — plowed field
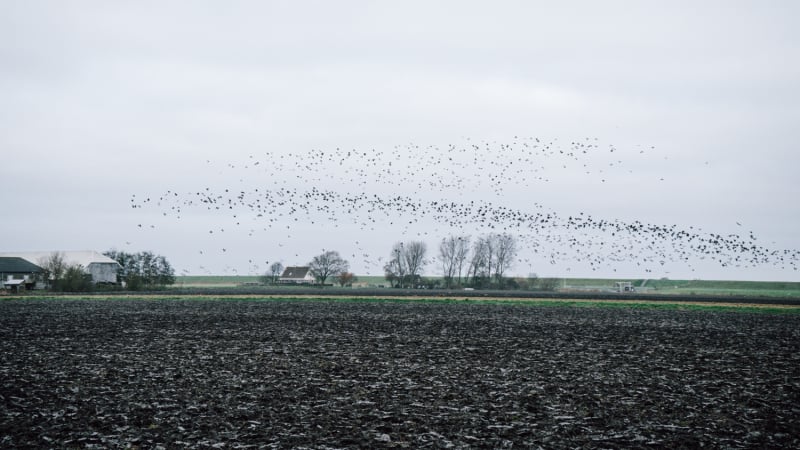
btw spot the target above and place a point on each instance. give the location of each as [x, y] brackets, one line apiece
[335, 374]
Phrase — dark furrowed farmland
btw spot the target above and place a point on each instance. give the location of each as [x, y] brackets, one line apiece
[333, 374]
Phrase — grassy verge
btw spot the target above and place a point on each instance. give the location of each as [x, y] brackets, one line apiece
[659, 286]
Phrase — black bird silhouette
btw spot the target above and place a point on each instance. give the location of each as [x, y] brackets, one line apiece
[448, 186]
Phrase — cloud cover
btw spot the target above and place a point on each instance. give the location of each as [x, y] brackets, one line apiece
[103, 101]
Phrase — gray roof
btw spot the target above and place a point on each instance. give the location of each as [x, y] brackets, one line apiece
[18, 265]
[295, 272]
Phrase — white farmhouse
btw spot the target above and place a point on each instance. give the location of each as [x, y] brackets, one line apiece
[102, 268]
[297, 275]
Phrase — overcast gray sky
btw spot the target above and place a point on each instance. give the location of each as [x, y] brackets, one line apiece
[103, 101]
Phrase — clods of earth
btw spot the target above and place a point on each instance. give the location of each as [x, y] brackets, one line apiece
[335, 374]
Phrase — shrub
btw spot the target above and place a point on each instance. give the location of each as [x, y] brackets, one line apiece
[74, 279]
[548, 284]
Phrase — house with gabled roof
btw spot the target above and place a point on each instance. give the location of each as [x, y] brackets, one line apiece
[297, 275]
[17, 274]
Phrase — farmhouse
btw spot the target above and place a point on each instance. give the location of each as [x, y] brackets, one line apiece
[102, 268]
[297, 275]
[17, 274]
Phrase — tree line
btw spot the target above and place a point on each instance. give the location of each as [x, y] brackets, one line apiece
[479, 264]
[142, 270]
[136, 271]
[482, 263]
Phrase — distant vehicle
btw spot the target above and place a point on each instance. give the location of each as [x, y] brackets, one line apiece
[624, 286]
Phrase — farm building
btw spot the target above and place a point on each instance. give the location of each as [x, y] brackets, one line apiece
[624, 286]
[297, 275]
[17, 274]
[102, 268]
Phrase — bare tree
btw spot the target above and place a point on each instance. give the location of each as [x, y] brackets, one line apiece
[55, 266]
[395, 268]
[346, 279]
[275, 271]
[447, 251]
[505, 250]
[415, 252]
[480, 265]
[462, 251]
[452, 254]
[406, 263]
[492, 255]
[328, 264]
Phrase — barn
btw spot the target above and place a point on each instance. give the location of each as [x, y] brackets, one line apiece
[297, 275]
[102, 268]
[17, 274]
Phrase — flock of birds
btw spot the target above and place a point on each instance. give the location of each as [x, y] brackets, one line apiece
[432, 192]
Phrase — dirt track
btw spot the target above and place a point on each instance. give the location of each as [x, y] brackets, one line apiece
[288, 374]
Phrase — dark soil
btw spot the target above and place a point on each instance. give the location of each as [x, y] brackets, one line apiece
[334, 374]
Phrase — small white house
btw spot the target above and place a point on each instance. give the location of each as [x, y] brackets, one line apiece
[297, 275]
[102, 268]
